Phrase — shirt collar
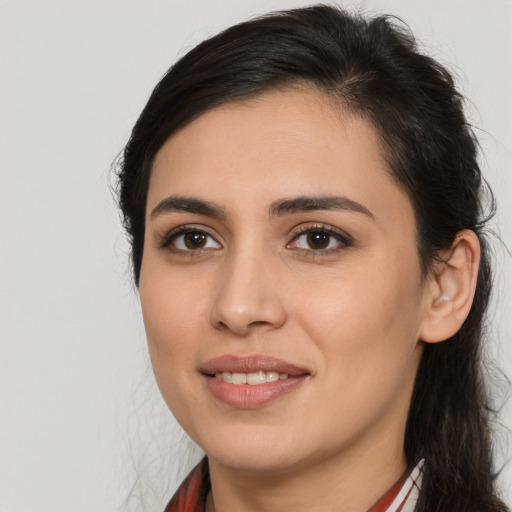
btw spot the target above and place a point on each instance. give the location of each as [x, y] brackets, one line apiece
[191, 496]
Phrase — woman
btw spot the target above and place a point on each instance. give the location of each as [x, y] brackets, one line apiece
[305, 210]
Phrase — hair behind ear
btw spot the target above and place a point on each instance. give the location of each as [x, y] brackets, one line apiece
[451, 415]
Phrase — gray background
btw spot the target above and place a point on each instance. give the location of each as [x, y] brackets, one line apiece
[81, 420]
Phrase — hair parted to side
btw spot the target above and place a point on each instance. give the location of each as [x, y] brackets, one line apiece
[373, 68]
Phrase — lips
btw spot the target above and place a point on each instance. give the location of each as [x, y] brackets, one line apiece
[251, 381]
[250, 364]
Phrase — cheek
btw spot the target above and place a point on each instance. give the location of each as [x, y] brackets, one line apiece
[365, 319]
[172, 304]
[367, 337]
[171, 311]
[170, 326]
[167, 318]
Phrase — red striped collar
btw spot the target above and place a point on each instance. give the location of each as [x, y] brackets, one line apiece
[402, 497]
[191, 496]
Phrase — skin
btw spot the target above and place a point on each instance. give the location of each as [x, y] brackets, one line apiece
[353, 315]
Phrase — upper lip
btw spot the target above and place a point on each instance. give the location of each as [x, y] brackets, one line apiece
[250, 364]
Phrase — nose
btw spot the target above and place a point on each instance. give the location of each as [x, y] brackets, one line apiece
[248, 296]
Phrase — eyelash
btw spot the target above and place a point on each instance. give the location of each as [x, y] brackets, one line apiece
[343, 239]
[172, 236]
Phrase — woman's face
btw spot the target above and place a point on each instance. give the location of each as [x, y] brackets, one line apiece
[278, 249]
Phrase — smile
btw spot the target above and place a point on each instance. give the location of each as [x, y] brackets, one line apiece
[247, 382]
[253, 378]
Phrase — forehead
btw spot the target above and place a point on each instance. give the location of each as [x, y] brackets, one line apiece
[285, 144]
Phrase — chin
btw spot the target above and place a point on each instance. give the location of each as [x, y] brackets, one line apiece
[253, 450]
[265, 463]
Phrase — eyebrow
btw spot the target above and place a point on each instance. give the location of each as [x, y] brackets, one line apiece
[311, 203]
[188, 205]
[277, 208]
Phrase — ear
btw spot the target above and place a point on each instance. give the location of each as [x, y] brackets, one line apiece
[451, 288]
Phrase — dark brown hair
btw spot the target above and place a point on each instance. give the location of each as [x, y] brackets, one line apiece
[374, 68]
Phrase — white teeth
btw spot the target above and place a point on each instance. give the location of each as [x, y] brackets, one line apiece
[253, 378]
[238, 378]
[256, 378]
[272, 376]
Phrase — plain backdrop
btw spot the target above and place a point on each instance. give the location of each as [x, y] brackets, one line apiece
[82, 427]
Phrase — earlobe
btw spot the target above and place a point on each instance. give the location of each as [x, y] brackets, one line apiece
[451, 288]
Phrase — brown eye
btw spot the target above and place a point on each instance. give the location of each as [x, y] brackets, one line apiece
[318, 240]
[189, 241]
[194, 240]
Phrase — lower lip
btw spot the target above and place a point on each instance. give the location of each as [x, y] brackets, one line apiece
[245, 396]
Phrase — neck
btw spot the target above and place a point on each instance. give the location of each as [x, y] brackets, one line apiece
[347, 483]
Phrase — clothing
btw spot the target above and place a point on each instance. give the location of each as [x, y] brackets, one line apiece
[191, 496]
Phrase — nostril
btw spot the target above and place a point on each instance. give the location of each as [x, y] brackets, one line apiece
[257, 322]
